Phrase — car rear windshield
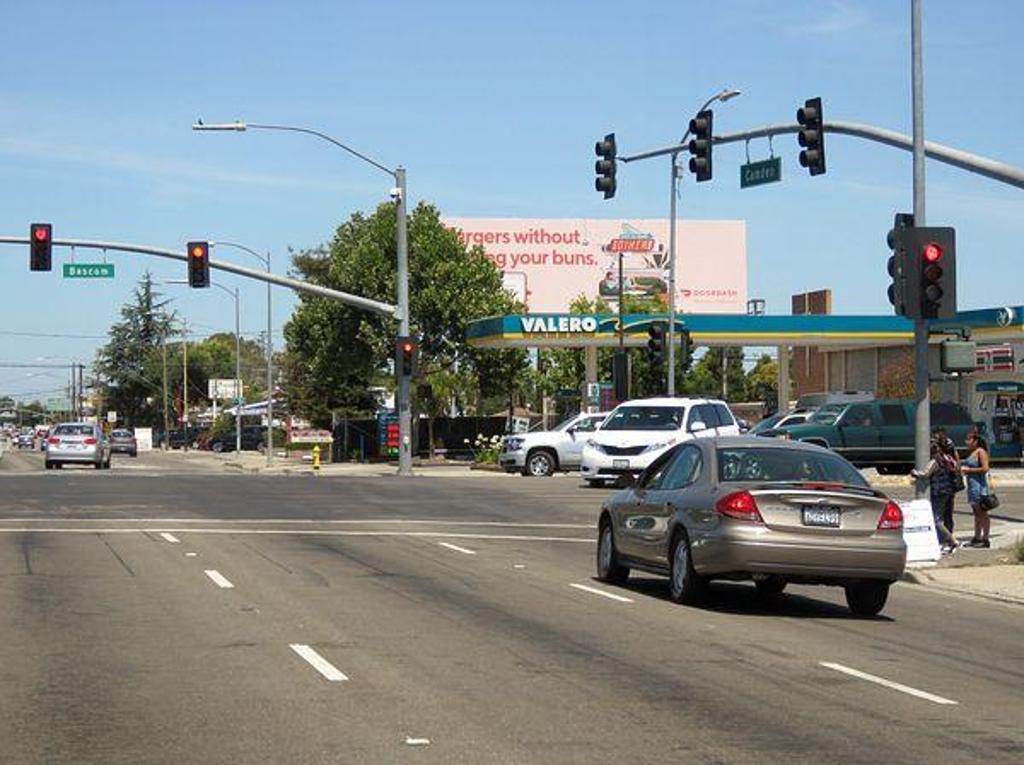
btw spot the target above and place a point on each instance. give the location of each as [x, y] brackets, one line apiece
[754, 464]
[645, 418]
[827, 414]
[73, 430]
[121, 434]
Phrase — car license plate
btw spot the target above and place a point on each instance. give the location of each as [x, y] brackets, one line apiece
[821, 516]
[620, 463]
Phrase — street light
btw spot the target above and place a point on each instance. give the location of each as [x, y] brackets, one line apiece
[238, 361]
[270, 350]
[724, 95]
[398, 193]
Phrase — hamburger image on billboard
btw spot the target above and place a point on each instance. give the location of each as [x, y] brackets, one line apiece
[547, 262]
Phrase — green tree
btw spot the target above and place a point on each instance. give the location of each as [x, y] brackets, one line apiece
[762, 382]
[705, 377]
[125, 362]
[336, 353]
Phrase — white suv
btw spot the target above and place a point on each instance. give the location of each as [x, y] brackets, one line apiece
[545, 451]
[638, 432]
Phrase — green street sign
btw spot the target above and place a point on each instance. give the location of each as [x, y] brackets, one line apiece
[88, 270]
[760, 173]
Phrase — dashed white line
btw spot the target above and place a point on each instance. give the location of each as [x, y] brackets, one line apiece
[887, 683]
[219, 579]
[169, 537]
[191, 554]
[464, 550]
[602, 593]
[318, 662]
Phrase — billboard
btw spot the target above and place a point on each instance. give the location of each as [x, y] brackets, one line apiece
[547, 262]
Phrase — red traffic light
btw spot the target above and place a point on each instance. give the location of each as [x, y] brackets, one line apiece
[932, 253]
[198, 251]
[408, 347]
[41, 234]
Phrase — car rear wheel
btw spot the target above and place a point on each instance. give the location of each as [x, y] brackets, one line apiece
[867, 598]
[540, 464]
[608, 567]
[685, 585]
[773, 585]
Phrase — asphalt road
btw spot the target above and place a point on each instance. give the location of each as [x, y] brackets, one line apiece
[150, 618]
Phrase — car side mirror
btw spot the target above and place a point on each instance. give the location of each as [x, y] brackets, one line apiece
[697, 427]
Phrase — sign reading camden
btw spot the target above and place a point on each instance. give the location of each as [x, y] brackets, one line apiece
[533, 324]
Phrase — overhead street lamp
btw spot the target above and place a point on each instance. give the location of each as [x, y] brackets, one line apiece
[270, 349]
[398, 193]
[723, 96]
[238, 361]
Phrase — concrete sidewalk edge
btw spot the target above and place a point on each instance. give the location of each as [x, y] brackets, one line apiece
[922, 577]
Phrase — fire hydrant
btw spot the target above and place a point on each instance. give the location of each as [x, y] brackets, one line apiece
[316, 458]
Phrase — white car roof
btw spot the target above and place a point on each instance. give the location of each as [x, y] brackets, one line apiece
[670, 401]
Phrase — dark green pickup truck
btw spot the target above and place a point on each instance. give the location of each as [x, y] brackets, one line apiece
[877, 434]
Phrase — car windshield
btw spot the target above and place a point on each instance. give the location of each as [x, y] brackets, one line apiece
[73, 430]
[827, 414]
[645, 418]
[767, 423]
[787, 465]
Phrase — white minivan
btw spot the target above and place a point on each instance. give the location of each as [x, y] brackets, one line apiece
[638, 431]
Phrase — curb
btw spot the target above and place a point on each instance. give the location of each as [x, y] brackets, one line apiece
[922, 579]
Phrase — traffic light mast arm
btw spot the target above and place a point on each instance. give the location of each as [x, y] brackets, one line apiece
[264, 276]
[974, 163]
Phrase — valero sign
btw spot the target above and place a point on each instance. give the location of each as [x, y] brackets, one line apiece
[534, 324]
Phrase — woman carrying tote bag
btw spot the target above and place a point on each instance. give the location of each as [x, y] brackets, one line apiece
[981, 499]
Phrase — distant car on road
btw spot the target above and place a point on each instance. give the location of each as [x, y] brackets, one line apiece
[254, 438]
[78, 443]
[743, 508]
[25, 440]
[123, 442]
[542, 452]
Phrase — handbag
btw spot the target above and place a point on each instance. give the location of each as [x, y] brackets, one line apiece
[989, 502]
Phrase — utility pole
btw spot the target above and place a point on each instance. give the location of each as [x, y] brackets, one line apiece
[184, 384]
[404, 382]
[922, 420]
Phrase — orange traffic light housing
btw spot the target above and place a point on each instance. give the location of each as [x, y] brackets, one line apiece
[198, 264]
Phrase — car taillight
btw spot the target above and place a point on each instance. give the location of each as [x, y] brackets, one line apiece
[741, 506]
[90, 441]
[53, 440]
[892, 518]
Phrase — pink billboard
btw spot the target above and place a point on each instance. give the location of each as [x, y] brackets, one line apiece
[547, 262]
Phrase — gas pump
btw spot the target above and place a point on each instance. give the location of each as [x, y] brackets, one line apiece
[997, 407]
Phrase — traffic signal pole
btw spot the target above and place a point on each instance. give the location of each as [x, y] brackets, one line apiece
[922, 419]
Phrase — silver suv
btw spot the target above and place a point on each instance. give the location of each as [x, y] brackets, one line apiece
[83, 443]
[542, 452]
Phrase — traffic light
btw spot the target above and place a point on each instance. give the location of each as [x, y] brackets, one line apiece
[700, 145]
[933, 252]
[898, 268]
[605, 167]
[40, 237]
[812, 136]
[656, 342]
[198, 264]
[685, 348]
[408, 351]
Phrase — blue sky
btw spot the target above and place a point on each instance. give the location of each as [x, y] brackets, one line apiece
[493, 108]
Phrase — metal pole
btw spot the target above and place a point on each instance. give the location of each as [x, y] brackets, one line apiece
[922, 420]
[622, 330]
[671, 334]
[238, 378]
[270, 377]
[404, 413]
[184, 384]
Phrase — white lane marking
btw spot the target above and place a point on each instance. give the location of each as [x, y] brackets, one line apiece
[888, 683]
[169, 537]
[410, 741]
[602, 593]
[318, 662]
[518, 565]
[463, 550]
[191, 554]
[218, 579]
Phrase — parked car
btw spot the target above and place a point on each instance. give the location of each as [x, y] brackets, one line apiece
[123, 442]
[77, 442]
[542, 452]
[815, 400]
[254, 438]
[781, 420]
[877, 434]
[751, 508]
[637, 432]
[177, 439]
